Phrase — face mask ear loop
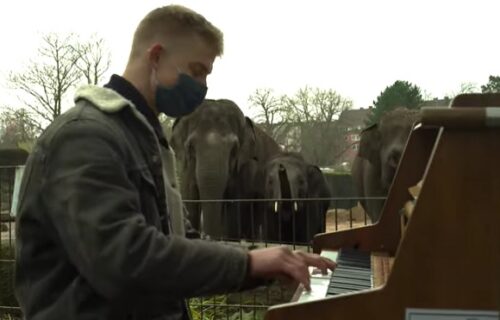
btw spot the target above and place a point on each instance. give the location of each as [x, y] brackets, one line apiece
[154, 76]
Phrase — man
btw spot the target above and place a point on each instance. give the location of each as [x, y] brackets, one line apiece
[96, 235]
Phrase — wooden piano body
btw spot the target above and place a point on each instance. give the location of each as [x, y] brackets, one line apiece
[449, 255]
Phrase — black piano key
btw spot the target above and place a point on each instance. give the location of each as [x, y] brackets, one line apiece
[355, 259]
[345, 286]
[359, 257]
[348, 277]
[353, 272]
[351, 280]
[354, 266]
[342, 266]
[354, 275]
[356, 254]
[351, 260]
[358, 271]
[364, 262]
[337, 284]
[335, 291]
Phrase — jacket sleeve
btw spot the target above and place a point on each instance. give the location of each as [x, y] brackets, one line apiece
[97, 217]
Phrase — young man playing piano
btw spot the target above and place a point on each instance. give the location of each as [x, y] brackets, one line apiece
[99, 228]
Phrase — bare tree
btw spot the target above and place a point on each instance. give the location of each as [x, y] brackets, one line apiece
[271, 115]
[94, 59]
[49, 77]
[305, 121]
[18, 128]
[315, 112]
[465, 87]
[61, 63]
[268, 105]
[300, 107]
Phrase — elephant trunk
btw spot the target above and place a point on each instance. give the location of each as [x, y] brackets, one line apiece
[212, 176]
[211, 186]
[286, 191]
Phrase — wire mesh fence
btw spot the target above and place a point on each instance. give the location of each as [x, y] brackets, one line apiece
[249, 223]
[267, 227]
[8, 304]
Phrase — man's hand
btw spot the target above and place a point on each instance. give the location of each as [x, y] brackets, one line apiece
[281, 261]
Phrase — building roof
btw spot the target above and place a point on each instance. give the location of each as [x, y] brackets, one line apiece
[354, 117]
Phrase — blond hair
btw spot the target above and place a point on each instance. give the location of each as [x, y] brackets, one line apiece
[174, 22]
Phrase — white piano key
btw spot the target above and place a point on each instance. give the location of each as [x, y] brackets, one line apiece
[319, 286]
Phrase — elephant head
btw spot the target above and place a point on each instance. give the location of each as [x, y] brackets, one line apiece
[286, 178]
[211, 144]
[383, 144]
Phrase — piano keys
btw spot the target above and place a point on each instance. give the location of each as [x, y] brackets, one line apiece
[355, 271]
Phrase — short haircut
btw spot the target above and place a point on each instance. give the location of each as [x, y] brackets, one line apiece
[175, 22]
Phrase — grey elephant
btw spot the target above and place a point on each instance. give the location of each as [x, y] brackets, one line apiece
[380, 149]
[289, 176]
[213, 145]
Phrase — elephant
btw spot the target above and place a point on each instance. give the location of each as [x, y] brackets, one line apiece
[289, 176]
[213, 145]
[380, 148]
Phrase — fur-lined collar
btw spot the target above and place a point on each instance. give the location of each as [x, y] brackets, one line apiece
[109, 101]
[105, 99]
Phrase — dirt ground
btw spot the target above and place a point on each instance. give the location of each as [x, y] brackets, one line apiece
[340, 219]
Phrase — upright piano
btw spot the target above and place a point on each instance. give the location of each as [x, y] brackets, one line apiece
[444, 252]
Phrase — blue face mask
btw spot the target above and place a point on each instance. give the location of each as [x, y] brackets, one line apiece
[182, 98]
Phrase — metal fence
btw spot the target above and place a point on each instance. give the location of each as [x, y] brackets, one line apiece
[8, 305]
[270, 214]
[246, 223]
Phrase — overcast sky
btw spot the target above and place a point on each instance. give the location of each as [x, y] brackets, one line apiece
[354, 47]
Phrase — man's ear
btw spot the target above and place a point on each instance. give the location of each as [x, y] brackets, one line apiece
[154, 53]
[370, 143]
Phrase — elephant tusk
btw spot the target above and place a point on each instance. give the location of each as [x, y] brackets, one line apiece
[295, 206]
[276, 207]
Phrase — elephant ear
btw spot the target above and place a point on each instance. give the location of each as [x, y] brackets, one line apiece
[369, 144]
[179, 135]
[248, 143]
[317, 184]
